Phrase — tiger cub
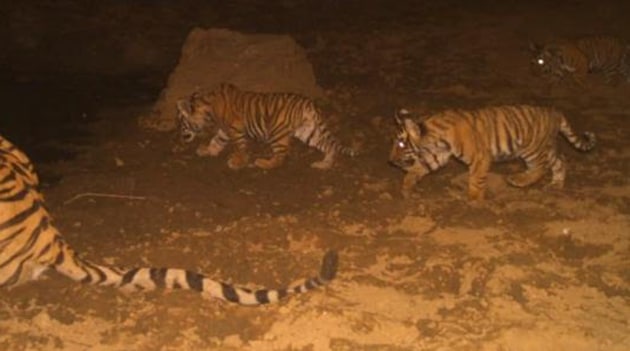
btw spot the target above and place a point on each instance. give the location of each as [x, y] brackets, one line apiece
[575, 59]
[30, 244]
[479, 137]
[273, 118]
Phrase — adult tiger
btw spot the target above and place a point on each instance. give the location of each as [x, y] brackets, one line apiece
[479, 137]
[30, 244]
[273, 118]
[575, 59]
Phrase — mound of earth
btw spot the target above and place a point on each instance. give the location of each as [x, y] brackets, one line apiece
[257, 62]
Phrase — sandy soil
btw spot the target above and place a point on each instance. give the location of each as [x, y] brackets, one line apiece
[532, 269]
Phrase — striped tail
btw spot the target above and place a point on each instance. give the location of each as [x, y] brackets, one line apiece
[139, 279]
[584, 143]
[322, 139]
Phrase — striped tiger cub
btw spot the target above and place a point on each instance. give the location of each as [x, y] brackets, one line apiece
[30, 244]
[273, 118]
[479, 137]
[575, 59]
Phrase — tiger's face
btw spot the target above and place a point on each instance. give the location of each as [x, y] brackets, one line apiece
[403, 153]
[193, 117]
[547, 60]
[415, 149]
[541, 58]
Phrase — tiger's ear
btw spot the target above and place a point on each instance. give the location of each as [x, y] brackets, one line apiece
[184, 107]
[400, 115]
[535, 48]
[413, 130]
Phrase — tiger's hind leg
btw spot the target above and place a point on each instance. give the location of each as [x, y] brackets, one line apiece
[326, 163]
[279, 148]
[216, 145]
[239, 158]
[478, 173]
[558, 170]
[535, 171]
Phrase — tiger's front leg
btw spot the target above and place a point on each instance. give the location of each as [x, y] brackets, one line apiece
[478, 173]
[239, 158]
[409, 183]
[279, 148]
[326, 163]
[216, 145]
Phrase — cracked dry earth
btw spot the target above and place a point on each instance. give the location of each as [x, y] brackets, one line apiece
[531, 269]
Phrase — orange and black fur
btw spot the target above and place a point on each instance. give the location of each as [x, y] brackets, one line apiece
[575, 59]
[479, 137]
[30, 244]
[273, 118]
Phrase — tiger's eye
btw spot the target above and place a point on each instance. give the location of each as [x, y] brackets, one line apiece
[401, 144]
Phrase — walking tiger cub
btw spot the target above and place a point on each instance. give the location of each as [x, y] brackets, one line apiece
[575, 59]
[479, 137]
[30, 244]
[273, 118]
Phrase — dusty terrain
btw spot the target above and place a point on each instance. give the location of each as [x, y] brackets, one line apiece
[532, 269]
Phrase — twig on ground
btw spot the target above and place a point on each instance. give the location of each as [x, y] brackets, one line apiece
[112, 196]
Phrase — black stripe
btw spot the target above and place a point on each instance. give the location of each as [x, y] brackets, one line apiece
[18, 218]
[128, 277]
[45, 250]
[9, 177]
[310, 136]
[32, 240]
[20, 195]
[229, 292]
[310, 284]
[282, 293]
[158, 276]
[423, 128]
[262, 296]
[60, 259]
[101, 275]
[87, 279]
[195, 281]
[16, 273]
[12, 236]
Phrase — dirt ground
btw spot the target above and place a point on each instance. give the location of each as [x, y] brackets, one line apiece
[531, 269]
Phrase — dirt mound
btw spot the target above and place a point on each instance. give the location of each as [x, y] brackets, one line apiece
[258, 62]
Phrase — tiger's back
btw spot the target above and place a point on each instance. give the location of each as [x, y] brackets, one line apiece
[607, 55]
[30, 244]
[480, 137]
[274, 118]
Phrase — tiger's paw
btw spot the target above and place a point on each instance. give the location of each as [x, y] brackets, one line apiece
[523, 179]
[264, 163]
[407, 194]
[322, 164]
[476, 196]
[237, 161]
[203, 151]
[555, 185]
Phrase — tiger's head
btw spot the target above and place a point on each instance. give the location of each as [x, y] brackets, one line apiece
[194, 115]
[416, 149]
[546, 59]
[404, 151]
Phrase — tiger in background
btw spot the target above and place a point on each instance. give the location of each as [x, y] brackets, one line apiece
[30, 244]
[479, 137]
[273, 118]
[575, 59]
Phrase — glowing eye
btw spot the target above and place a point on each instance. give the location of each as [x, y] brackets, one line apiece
[401, 144]
[540, 61]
